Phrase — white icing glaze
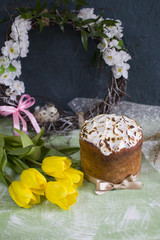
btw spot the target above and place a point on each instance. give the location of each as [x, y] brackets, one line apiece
[111, 133]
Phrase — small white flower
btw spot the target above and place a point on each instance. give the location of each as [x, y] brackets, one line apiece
[18, 87]
[122, 70]
[6, 78]
[124, 56]
[11, 94]
[21, 25]
[111, 31]
[24, 24]
[14, 34]
[103, 45]
[11, 49]
[86, 13]
[24, 48]
[114, 31]
[4, 61]
[114, 43]
[17, 65]
[111, 57]
[119, 34]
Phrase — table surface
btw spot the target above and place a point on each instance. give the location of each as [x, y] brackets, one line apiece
[117, 215]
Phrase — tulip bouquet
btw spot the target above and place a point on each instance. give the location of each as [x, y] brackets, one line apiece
[41, 173]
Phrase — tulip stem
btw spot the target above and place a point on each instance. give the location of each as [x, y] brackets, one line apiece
[35, 162]
[8, 179]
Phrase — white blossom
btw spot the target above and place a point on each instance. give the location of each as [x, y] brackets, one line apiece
[111, 57]
[113, 31]
[24, 48]
[122, 70]
[11, 49]
[86, 13]
[18, 87]
[4, 61]
[17, 65]
[114, 43]
[124, 56]
[11, 94]
[119, 34]
[6, 78]
[103, 45]
[19, 28]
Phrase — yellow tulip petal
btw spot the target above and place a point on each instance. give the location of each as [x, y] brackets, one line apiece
[71, 198]
[61, 193]
[75, 175]
[55, 191]
[38, 191]
[20, 194]
[55, 165]
[35, 199]
[32, 178]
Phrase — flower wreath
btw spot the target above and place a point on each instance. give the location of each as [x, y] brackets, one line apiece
[107, 32]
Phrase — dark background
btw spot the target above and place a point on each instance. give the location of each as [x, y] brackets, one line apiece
[58, 69]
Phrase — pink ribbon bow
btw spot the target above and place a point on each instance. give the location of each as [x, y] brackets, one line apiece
[22, 107]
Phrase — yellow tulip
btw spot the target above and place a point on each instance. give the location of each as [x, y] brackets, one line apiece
[55, 166]
[61, 193]
[75, 176]
[22, 196]
[34, 180]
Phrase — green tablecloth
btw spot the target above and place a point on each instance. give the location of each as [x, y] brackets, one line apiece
[118, 214]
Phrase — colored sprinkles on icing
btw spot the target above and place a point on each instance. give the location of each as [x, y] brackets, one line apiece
[111, 133]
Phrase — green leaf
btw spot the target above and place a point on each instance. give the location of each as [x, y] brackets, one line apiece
[38, 6]
[26, 15]
[61, 26]
[53, 152]
[1, 141]
[37, 139]
[98, 34]
[26, 141]
[11, 68]
[3, 159]
[40, 24]
[108, 22]
[15, 166]
[13, 141]
[2, 69]
[1, 156]
[84, 39]
[20, 163]
[18, 169]
[54, 7]
[120, 43]
[34, 154]
[20, 151]
[98, 17]
[5, 19]
[88, 21]
[69, 151]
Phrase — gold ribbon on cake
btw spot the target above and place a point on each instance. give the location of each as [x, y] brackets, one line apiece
[103, 186]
